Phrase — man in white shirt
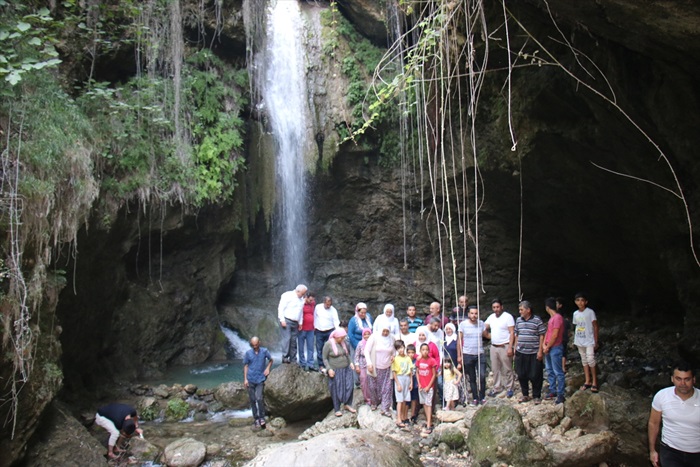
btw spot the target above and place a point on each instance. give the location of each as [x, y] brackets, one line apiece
[677, 408]
[290, 315]
[404, 334]
[325, 322]
[500, 328]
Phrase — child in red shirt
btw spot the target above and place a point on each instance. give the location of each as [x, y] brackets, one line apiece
[426, 371]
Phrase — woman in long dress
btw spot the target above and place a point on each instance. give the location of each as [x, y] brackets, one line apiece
[340, 368]
[379, 353]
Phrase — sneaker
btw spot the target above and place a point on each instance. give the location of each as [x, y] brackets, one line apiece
[262, 423]
[537, 401]
[509, 394]
[560, 400]
[550, 396]
[256, 426]
[475, 402]
[483, 401]
[493, 393]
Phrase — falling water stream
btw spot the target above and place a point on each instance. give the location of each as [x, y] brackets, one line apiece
[283, 92]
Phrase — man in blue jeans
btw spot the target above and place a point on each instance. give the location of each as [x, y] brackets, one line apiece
[471, 333]
[257, 363]
[553, 349]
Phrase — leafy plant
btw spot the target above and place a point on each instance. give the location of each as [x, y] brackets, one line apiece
[177, 409]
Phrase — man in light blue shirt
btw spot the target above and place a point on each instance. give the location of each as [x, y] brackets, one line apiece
[257, 363]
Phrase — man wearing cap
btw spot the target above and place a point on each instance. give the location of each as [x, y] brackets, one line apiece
[291, 315]
[121, 421]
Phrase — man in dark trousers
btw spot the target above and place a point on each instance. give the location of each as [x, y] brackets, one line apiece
[257, 363]
[121, 421]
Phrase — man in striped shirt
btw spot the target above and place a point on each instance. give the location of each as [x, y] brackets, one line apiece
[413, 321]
[529, 339]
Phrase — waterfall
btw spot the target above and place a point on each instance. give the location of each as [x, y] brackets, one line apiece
[283, 92]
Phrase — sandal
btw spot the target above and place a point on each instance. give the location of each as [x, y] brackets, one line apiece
[594, 389]
[524, 399]
[339, 413]
[586, 386]
[428, 430]
[386, 414]
[350, 409]
[400, 425]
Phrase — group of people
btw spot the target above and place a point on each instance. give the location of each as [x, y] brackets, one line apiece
[454, 345]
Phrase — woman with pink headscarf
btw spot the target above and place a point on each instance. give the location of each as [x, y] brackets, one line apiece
[340, 367]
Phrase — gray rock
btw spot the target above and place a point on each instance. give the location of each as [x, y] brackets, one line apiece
[232, 395]
[450, 416]
[588, 411]
[329, 424]
[373, 420]
[294, 395]
[184, 452]
[449, 435]
[586, 450]
[278, 422]
[497, 434]
[545, 414]
[347, 447]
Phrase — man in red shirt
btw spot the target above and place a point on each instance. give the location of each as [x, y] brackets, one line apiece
[306, 334]
[553, 349]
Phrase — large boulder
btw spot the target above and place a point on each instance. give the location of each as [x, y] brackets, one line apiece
[63, 440]
[348, 447]
[629, 413]
[232, 395]
[184, 452]
[368, 17]
[497, 434]
[586, 450]
[294, 394]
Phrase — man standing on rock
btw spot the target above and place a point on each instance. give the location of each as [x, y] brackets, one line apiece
[257, 363]
[471, 331]
[553, 349]
[500, 328]
[529, 339]
[290, 315]
[325, 322]
[678, 409]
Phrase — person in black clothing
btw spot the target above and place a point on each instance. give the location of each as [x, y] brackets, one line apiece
[121, 421]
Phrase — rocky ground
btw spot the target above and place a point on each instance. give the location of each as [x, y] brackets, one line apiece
[589, 429]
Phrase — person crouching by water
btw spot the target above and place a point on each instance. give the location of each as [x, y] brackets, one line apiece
[340, 368]
[257, 363]
[121, 421]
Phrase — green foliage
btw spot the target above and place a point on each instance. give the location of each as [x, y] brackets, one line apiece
[177, 409]
[26, 41]
[149, 413]
[360, 59]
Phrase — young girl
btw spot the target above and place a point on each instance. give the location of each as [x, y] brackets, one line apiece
[361, 365]
[451, 377]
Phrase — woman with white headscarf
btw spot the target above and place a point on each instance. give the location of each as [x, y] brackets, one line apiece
[358, 323]
[388, 319]
[379, 353]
